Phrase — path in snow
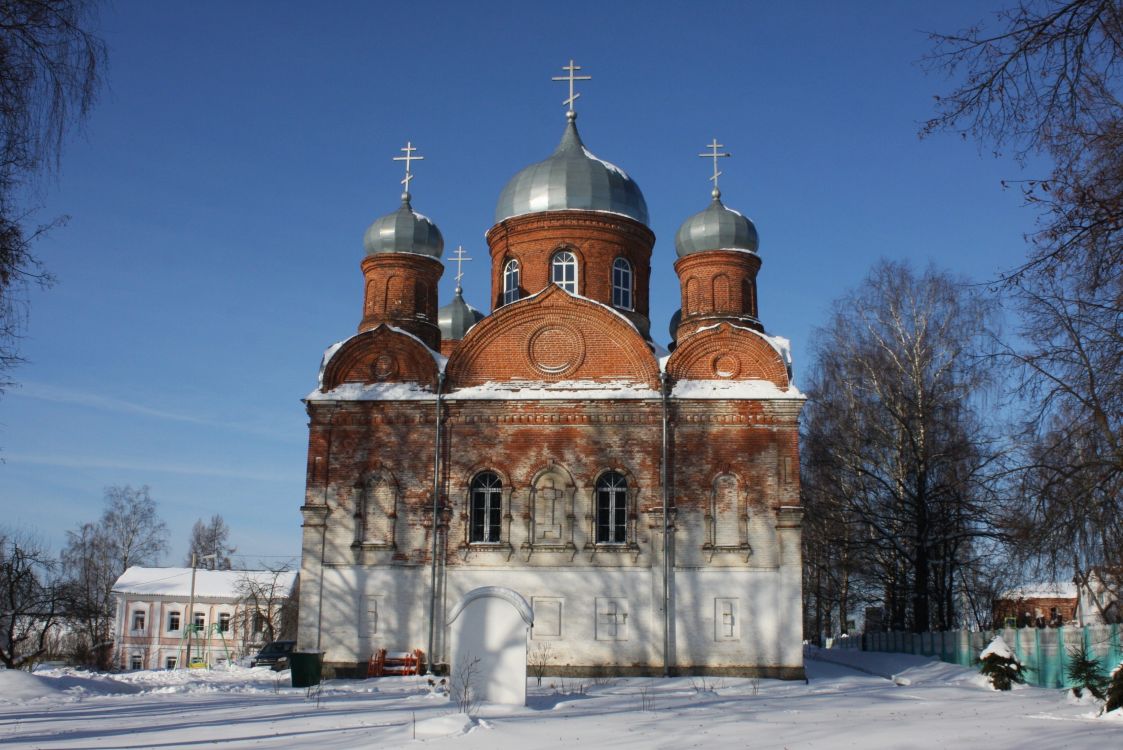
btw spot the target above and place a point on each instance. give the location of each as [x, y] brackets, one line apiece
[931, 705]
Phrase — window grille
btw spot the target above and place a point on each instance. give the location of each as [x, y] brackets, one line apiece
[486, 498]
[622, 284]
[612, 508]
[564, 271]
[510, 282]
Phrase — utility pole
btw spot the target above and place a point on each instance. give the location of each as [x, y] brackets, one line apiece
[189, 615]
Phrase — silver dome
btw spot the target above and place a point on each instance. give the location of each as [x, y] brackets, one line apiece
[676, 320]
[455, 318]
[716, 228]
[572, 178]
[404, 231]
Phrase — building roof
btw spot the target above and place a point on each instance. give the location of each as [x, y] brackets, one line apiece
[572, 178]
[716, 228]
[404, 231]
[214, 584]
[1063, 590]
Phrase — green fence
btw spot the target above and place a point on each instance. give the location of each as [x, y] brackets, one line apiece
[1044, 652]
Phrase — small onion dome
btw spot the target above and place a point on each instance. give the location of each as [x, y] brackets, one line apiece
[404, 231]
[455, 318]
[571, 179]
[676, 319]
[716, 228]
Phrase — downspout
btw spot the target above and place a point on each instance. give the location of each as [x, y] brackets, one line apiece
[664, 388]
[431, 657]
[323, 537]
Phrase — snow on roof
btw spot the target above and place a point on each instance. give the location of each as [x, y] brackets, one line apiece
[717, 389]
[215, 584]
[1047, 590]
[578, 390]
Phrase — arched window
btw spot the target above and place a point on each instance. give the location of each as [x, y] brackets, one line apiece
[486, 499]
[510, 282]
[612, 508]
[622, 283]
[564, 270]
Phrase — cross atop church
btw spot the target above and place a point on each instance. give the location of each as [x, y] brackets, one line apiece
[409, 149]
[571, 69]
[715, 155]
[460, 257]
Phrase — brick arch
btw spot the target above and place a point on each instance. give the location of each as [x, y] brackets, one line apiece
[727, 352]
[549, 337]
[381, 354]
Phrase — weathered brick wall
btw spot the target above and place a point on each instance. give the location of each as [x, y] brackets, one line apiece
[597, 239]
[718, 285]
[401, 289]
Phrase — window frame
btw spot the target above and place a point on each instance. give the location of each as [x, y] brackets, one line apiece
[139, 620]
[623, 292]
[611, 516]
[565, 259]
[224, 620]
[512, 278]
[174, 621]
[199, 620]
[485, 508]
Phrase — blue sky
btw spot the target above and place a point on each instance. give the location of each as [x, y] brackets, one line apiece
[219, 194]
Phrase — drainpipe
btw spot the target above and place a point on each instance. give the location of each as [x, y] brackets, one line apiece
[664, 383]
[436, 523]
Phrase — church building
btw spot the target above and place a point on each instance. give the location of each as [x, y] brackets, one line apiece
[645, 504]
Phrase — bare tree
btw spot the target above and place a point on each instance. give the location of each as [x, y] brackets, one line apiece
[268, 606]
[50, 65]
[128, 533]
[1046, 81]
[895, 450]
[210, 540]
[31, 608]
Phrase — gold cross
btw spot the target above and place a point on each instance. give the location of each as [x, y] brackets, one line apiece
[460, 257]
[571, 69]
[715, 155]
[409, 149]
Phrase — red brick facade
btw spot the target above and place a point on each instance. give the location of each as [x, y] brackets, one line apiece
[548, 396]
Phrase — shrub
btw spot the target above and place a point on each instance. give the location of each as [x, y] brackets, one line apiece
[1000, 666]
[1115, 689]
[1086, 672]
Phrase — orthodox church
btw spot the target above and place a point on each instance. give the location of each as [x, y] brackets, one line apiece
[645, 504]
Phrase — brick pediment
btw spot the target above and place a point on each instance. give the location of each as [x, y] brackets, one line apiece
[727, 352]
[381, 355]
[550, 337]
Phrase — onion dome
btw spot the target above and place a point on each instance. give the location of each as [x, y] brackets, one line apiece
[716, 228]
[676, 319]
[571, 179]
[457, 317]
[404, 231]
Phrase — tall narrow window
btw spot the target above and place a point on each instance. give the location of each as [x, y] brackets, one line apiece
[622, 284]
[510, 282]
[487, 494]
[173, 621]
[612, 508]
[564, 271]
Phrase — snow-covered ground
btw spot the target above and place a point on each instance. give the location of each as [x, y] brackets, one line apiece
[861, 700]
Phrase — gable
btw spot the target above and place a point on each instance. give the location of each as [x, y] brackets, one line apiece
[551, 337]
[726, 352]
[381, 355]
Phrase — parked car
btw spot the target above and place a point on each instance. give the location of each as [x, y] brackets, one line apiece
[275, 655]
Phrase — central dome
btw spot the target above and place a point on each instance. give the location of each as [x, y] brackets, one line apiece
[571, 179]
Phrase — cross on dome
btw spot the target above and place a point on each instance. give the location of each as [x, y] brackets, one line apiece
[715, 155]
[460, 257]
[409, 148]
[571, 69]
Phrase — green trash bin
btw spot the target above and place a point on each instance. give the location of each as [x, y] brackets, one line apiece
[305, 668]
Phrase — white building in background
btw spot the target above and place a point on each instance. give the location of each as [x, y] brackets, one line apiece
[234, 613]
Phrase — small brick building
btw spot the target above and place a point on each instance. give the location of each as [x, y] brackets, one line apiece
[646, 505]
